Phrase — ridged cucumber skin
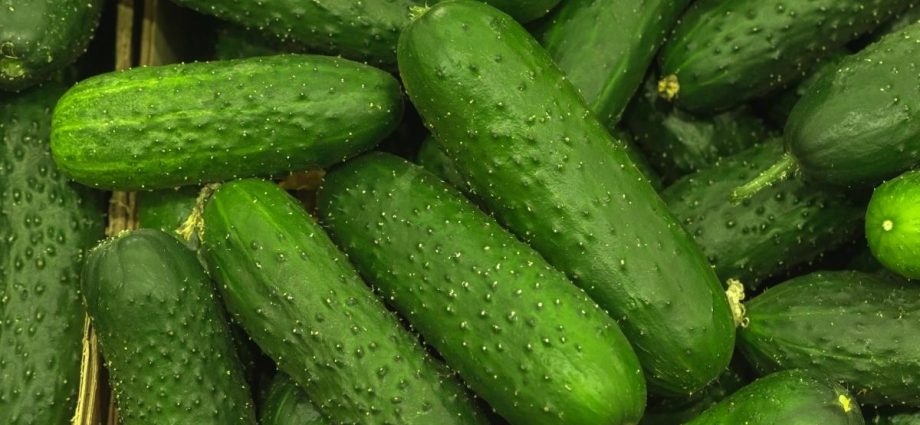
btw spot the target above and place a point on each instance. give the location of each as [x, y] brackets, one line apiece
[287, 404]
[791, 397]
[167, 126]
[678, 143]
[670, 411]
[725, 52]
[893, 224]
[297, 296]
[163, 333]
[40, 37]
[526, 340]
[550, 172]
[46, 223]
[860, 124]
[166, 209]
[845, 325]
[789, 223]
[605, 47]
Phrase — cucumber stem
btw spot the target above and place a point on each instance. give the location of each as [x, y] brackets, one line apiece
[735, 294]
[780, 171]
[194, 224]
[669, 87]
[416, 12]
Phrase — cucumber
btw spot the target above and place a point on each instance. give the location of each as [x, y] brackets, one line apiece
[895, 417]
[166, 209]
[790, 223]
[286, 404]
[901, 21]
[670, 411]
[163, 333]
[525, 339]
[725, 52]
[38, 38]
[845, 325]
[679, 143]
[167, 126]
[893, 224]
[788, 398]
[604, 47]
[779, 107]
[45, 225]
[234, 42]
[297, 296]
[531, 150]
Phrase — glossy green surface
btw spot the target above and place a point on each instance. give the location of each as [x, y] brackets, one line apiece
[286, 404]
[893, 224]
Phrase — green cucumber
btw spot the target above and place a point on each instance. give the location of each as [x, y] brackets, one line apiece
[893, 224]
[286, 404]
[525, 339]
[234, 42]
[531, 150]
[167, 126]
[790, 223]
[789, 398]
[901, 21]
[670, 411]
[849, 326]
[166, 209]
[46, 223]
[779, 107]
[725, 52]
[604, 47]
[301, 301]
[41, 37]
[163, 333]
[679, 143]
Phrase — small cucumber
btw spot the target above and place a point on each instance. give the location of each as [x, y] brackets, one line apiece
[163, 333]
[167, 126]
[893, 224]
[524, 338]
[286, 404]
[785, 398]
[848, 326]
[301, 301]
[533, 152]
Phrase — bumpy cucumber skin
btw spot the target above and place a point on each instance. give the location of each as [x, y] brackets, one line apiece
[893, 224]
[39, 38]
[860, 123]
[550, 172]
[298, 297]
[166, 209]
[848, 326]
[163, 333]
[789, 398]
[671, 411]
[168, 126]
[46, 223]
[789, 223]
[287, 404]
[678, 143]
[525, 339]
[604, 47]
[725, 52]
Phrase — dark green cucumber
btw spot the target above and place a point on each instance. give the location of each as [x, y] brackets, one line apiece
[45, 225]
[790, 223]
[167, 126]
[287, 404]
[234, 42]
[678, 143]
[163, 333]
[789, 398]
[166, 209]
[901, 21]
[725, 52]
[895, 417]
[525, 339]
[893, 224]
[301, 301]
[531, 150]
[40, 37]
[851, 326]
[779, 107]
[605, 47]
[671, 411]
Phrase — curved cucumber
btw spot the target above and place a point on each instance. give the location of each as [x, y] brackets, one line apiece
[298, 297]
[41, 37]
[605, 47]
[523, 138]
[525, 339]
[725, 52]
[287, 404]
[893, 224]
[788, 398]
[46, 223]
[167, 126]
[787, 224]
[163, 333]
[848, 326]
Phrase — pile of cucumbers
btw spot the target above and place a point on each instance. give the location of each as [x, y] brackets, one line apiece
[575, 212]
